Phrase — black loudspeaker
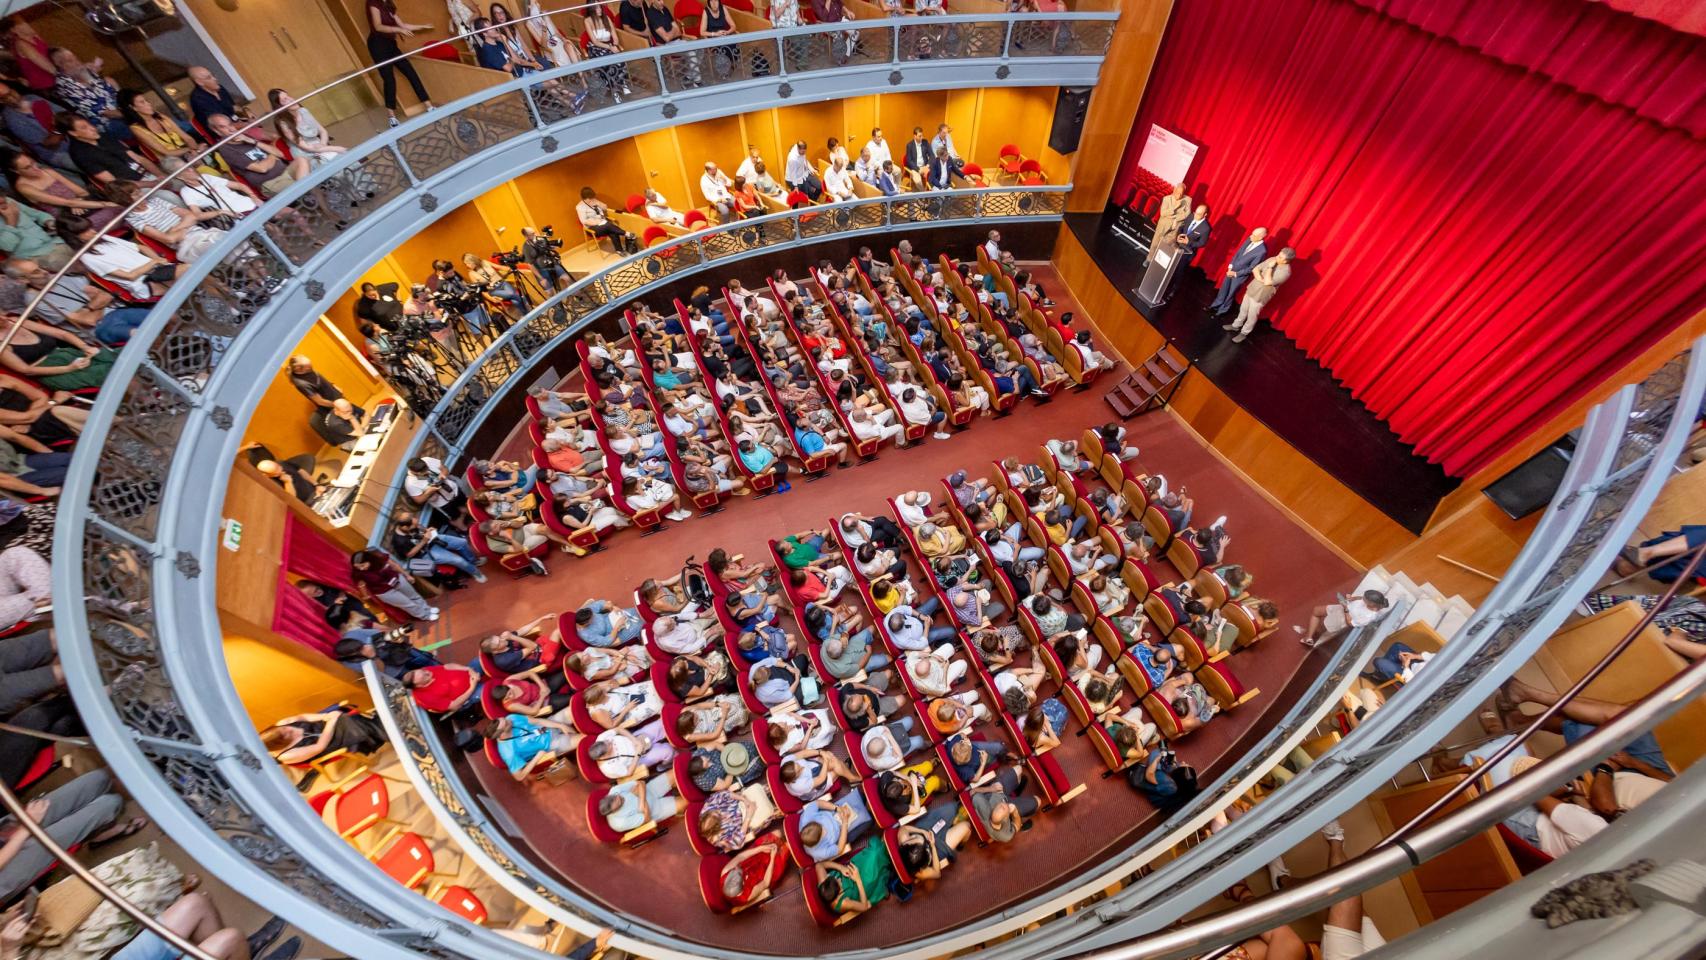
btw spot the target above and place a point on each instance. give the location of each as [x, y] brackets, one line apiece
[1535, 481]
[1070, 105]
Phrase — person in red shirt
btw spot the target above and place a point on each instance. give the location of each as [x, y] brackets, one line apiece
[446, 688]
[563, 457]
[749, 875]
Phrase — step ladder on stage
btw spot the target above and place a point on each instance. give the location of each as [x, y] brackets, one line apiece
[1150, 385]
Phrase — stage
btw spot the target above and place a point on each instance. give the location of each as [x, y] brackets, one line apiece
[1276, 384]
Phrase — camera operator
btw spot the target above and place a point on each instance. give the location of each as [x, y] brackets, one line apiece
[409, 371]
[460, 299]
[595, 217]
[425, 325]
[486, 276]
[540, 252]
[379, 306]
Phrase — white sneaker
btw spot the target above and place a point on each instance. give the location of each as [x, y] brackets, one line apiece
[939, 435]
[479, 577]
[678, 515]
[432, 614]
[1332, 831]
[1277, 871]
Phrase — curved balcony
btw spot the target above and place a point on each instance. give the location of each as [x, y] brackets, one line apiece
[139, 521]
[140, 510]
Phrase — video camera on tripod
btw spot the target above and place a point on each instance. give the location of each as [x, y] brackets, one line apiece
[542, 248]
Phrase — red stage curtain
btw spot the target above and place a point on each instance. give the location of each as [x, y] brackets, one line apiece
[1479, 243]
[310, 556]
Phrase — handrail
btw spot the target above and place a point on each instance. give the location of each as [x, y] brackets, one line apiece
[1522, 737]
[147, 920]
[586, 65]
[1628, 446]
[1039, 201]
[1383, 863]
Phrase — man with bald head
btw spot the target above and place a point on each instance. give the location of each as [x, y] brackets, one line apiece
[209, 98]
[290, 476]
[1244, 260]
[311, 384]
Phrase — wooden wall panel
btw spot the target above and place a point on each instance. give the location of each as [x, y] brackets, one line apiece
[1288, 478]
[962, 114]
[858, 116]
[1113, 106]
[659, 162]
[552, 191]
[759, 129]
[459, 230]
[717, 141]
[504, 212]
[900, 112]
[814, 123]
[277, 678]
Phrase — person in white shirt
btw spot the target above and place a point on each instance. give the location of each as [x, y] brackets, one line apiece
[658, 211]
[878, 148]
[119, 261]
[866, 427]
[714, 184]
[749, 167]
[1563, 825]
[595, 217]
[864, 169]
[992, 246]
[798, 168]
[944, 140]
[203, 191]
[836, 181]
[914, 508]
[916, 409]
[1333, 618]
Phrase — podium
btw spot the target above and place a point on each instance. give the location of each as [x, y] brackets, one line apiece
[1164, 261]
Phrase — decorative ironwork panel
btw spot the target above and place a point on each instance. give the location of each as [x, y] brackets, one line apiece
[925, 39]
[1061, 38]
[597, 86]
[137, 453]
[659, 262]
[198, 335]
[1021, 203]
[467, 132]
[743, 60]
[834, 49]
[335, 203]
[842, 219]
[918, 208]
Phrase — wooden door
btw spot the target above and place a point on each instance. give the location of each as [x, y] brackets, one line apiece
[286, 43]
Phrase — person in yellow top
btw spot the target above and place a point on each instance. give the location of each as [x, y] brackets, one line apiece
[161, 136]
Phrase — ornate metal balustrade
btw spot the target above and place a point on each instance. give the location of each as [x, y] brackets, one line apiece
[139, 632]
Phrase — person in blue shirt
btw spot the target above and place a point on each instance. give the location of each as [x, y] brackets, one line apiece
[759, 458]
[973, 758]
[812, 443]
[525, 743]
[827, 829]
[601, 625]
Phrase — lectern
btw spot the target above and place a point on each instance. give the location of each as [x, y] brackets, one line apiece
[1164, 260]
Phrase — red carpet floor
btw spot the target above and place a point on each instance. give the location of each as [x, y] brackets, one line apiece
[657, 882]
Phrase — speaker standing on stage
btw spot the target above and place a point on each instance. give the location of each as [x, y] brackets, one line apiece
[1191, 237]
[1253, 251]
[1174, 208]
[1264, 281]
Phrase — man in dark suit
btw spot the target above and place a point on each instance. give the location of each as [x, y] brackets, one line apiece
[1244, 259]
[1192, 236]
[942, 170]
[918, 152]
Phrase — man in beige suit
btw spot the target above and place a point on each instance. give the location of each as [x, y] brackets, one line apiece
[1175, 208]
[1264, 281]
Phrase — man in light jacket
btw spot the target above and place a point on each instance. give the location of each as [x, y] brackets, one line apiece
[1264, 282]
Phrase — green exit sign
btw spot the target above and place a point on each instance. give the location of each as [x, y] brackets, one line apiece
[231, 535]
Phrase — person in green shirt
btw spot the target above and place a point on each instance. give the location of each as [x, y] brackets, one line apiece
[859, 884]
[798, 552]
[26, 233]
